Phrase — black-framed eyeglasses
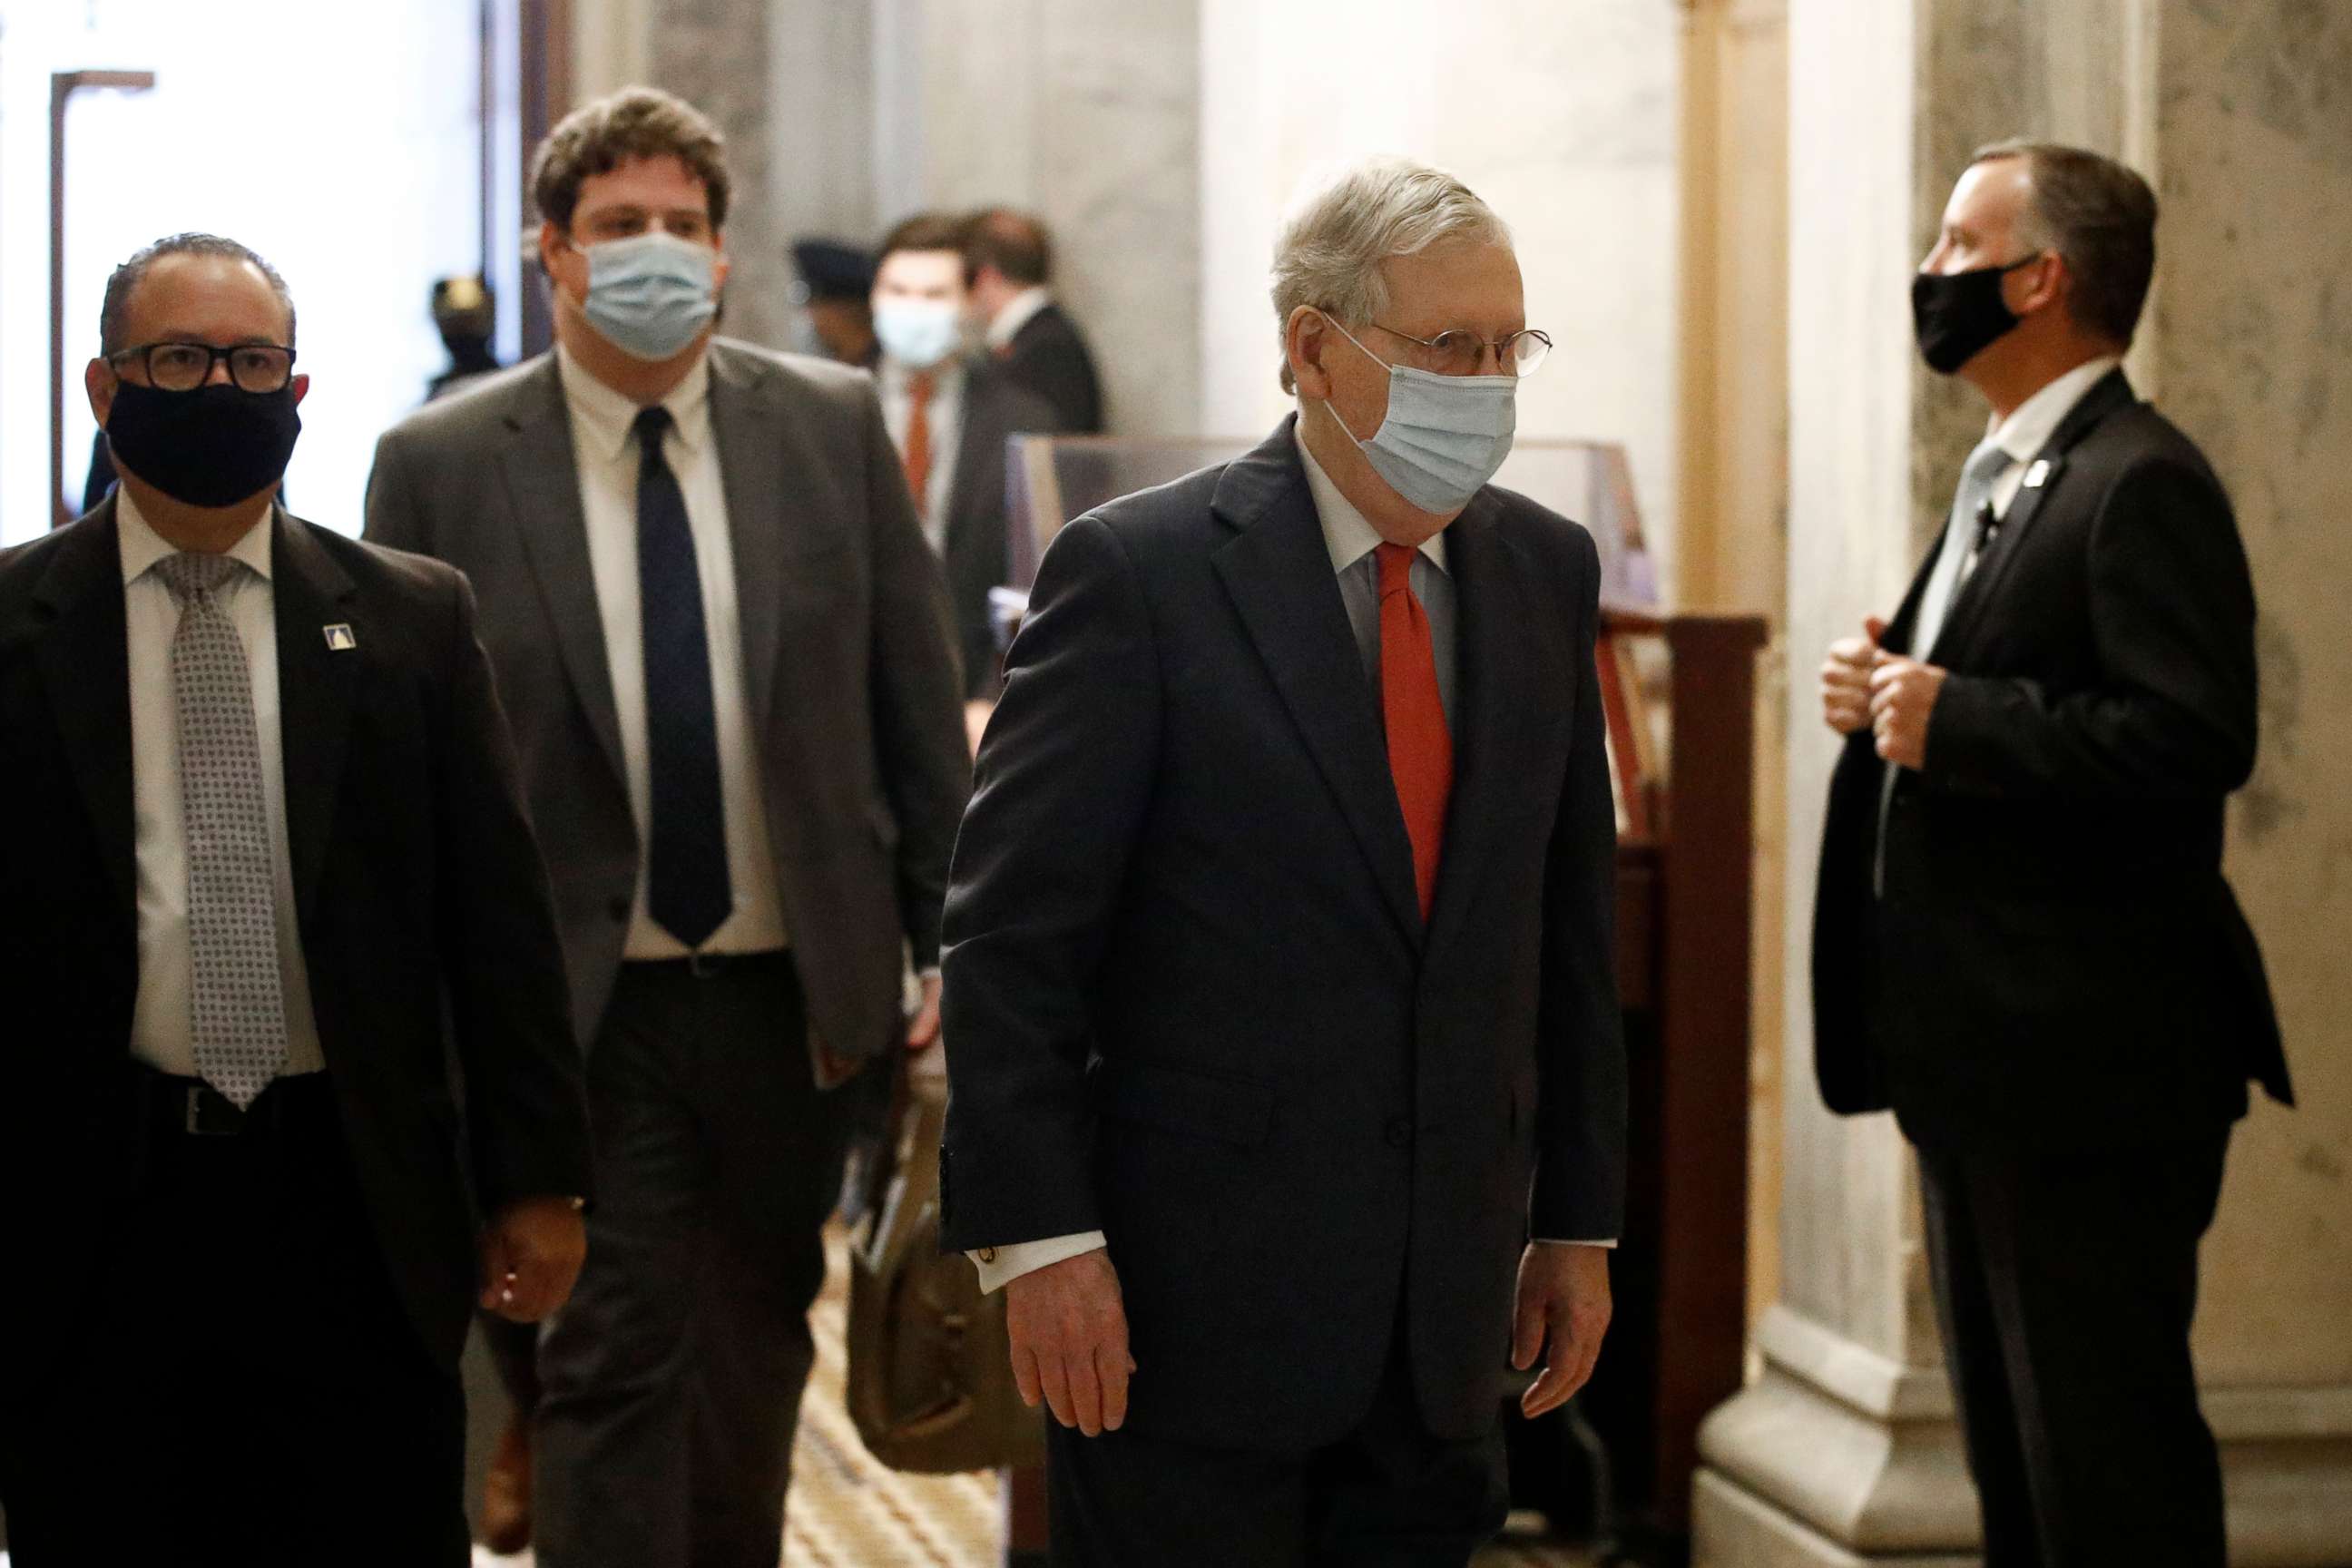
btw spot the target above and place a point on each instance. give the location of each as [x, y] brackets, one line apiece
[1462, 351]
[184, 367]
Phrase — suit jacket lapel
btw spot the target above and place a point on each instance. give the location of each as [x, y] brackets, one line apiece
[316, 688]
[752, 470]
[973, 441]
[2042, 476]
[1494, 642]
[85, 663]
[1279, 576]
[543, 486]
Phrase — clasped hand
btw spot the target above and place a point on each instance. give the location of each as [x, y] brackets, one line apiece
[1865, 686]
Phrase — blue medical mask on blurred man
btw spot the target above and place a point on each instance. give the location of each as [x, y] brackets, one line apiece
[1444, 436]
[651, 294]
[917, 334]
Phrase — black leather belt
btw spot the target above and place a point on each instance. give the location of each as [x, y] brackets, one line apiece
[705, 965]
[191, 1107]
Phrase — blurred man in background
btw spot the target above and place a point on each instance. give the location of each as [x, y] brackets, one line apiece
[950, 412]
[1012, 261]
[466, 314]
[833, 287]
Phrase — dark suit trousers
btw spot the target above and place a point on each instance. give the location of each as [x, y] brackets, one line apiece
[244, 1388]
[671, 1383]
[2065, 1281]
[1388, 1495]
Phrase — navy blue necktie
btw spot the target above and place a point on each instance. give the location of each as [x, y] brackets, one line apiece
[686, 875]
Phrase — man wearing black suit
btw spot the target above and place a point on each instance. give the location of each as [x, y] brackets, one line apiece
[2023, 943]
[1278, 945]
[1012, 262]
[725, 650]
[949, 413]
[266, 836]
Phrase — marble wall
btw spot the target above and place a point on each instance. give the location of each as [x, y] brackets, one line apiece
[1565, 118]
[2254, 357]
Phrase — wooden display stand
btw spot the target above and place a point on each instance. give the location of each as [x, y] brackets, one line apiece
[1685, 889]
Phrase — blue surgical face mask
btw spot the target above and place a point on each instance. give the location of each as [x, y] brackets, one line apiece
[917, 334]
[650, 295]
[1445, 435]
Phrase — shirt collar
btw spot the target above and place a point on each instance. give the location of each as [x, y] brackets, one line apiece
[608, 418]
[142, 547]
[1346, 533]
[947, 378]
[2030, 425]
[1018, 312]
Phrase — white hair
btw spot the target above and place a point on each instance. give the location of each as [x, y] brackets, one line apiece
[1329, 253]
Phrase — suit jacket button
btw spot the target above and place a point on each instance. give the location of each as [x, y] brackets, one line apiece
[1399, 1132]
[618, 909]
[988, 1255]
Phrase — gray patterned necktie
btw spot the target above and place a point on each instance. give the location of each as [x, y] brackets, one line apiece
[239, 1006]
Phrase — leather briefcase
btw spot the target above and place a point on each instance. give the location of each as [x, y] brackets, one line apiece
[930, 1384]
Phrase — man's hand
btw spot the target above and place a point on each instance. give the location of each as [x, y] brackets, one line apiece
[1903, 694]
[1564, 1301]
[1068, 1327]
[1846, 678]
[532, 1253]
[923, 1028]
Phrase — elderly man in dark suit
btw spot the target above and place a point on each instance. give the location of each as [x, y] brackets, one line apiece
[2023, 943]
[1288, 1087]
[726, 648]
[268, 879]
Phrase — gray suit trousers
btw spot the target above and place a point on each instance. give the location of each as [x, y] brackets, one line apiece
[672, 1380]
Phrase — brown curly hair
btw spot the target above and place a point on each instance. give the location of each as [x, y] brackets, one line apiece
[635, 122]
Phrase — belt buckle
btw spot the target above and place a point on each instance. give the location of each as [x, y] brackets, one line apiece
[703, 965]
[211, 1114]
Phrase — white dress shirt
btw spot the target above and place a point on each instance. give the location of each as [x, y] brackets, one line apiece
[1349, 538]
[1018, 312]
[162, 1032]
[2022, 437]
[604, 445]
[944, 414]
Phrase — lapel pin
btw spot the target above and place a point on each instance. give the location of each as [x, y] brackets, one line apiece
[340, 637]
[2036, 476]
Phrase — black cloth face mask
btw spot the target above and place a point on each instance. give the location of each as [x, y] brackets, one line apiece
[216, 446]
[1956, 314]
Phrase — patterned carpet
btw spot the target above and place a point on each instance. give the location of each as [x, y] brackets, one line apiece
[847, 1511]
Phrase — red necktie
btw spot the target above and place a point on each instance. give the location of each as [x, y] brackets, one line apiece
[1420, 748]
[917, 460]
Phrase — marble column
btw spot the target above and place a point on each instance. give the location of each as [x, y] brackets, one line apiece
[1843, 1450]
[792, 85]
[1088, 115]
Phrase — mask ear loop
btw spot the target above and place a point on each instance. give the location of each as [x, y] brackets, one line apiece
[1368, 354]
[2042, 255]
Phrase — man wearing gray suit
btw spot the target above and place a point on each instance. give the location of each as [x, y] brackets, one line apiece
[725, 646]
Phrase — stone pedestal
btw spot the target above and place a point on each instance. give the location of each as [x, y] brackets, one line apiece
[1843, 1450]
